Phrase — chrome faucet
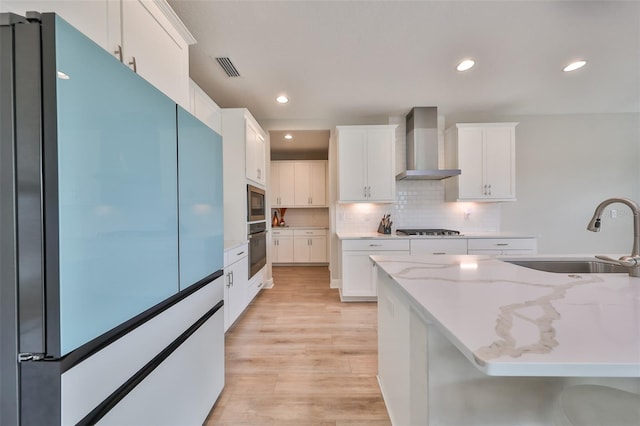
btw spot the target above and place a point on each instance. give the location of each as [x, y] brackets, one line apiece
[632, 263]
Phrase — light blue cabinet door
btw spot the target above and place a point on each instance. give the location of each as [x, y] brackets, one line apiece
[118, 208]
[200, 195]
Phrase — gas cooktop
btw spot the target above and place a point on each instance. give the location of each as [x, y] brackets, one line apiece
[426, 232]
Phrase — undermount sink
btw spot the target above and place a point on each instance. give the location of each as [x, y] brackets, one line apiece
[564, 266]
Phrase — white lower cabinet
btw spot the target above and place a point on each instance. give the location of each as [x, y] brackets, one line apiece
[282, 245]
[439, 246]
[236, 274]
[310, 246]
[502, 246]
[359, 275]
[299, 246]
[255, 285]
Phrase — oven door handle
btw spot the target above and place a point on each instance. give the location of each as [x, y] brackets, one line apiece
[256, 234]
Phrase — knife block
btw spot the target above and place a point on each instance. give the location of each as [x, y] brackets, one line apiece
[383, 230]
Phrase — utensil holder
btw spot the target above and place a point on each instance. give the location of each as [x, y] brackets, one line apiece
[383, 230]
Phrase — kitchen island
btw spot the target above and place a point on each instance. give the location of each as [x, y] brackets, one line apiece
[474, 340]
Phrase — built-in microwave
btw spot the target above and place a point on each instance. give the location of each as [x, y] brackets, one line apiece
[255, 204]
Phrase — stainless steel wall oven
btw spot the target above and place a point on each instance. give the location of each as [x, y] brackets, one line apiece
[257, 236]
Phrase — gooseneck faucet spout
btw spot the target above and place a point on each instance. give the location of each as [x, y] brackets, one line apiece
[631, 262]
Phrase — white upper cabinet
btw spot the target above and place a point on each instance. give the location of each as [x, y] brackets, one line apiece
[281, 184]
[153, 47]
[256, 152]
[145, 35]
[298, 183]
[310, 183]
[485, 152]
[204, 108]
[366, 164]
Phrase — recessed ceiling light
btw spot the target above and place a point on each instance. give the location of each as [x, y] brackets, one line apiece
[288, 136]
[465, 65]
[574, 66]
[282, 99]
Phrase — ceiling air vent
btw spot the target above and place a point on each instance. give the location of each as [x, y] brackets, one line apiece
[228, 67]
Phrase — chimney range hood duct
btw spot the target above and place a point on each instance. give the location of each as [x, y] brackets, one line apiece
[422, 147]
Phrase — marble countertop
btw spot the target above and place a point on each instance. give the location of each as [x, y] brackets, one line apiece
[510, 320]
[298, 227]
[360, 235]
[233, 244]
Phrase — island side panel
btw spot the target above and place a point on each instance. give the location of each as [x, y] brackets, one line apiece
[393, 349]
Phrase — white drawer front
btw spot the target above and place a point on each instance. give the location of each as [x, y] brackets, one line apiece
[282, 232]
[502, 244]
[439, 246]
[309, 232]
[233, 255]
[373, 244]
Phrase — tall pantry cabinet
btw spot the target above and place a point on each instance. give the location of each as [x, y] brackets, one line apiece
[244, 144]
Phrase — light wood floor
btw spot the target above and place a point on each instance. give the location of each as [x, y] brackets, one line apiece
[298, 356]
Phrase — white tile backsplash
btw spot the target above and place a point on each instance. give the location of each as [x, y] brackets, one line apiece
[419, 204]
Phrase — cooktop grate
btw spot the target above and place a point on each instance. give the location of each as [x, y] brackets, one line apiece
[427, 232]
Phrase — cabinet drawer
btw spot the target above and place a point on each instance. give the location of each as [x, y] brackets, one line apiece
[439, 246]
[233, 255]
[282, 232]
[372, 244]
[254, 287]
[309, 232]
[502, 244]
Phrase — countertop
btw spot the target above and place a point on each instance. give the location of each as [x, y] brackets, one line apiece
[233, 244]
[360, 235]
[509, 320]
[298, 227]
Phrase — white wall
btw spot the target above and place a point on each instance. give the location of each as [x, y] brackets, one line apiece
[565, 166]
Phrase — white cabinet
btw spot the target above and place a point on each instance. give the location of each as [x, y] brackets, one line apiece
[281, 183]
[310, 246]
[310, 183]
[256, 283]
[146, 35]
[204, 108]
[502, 246]
[394, 337]
[152, 47]
[236, 273]
[298, 183]
[299, 246]
[256, 152]
[366, 163]
[89, 17]
[485, 152]
[359, 275]
[281, 245]
[234, 123]
[439, 246]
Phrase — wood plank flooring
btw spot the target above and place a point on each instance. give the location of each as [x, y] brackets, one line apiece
[298, 356]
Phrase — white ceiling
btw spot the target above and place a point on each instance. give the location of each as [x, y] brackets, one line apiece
[379, 58]
[311, 140]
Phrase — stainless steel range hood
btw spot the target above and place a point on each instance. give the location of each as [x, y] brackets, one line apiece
[422, 147]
